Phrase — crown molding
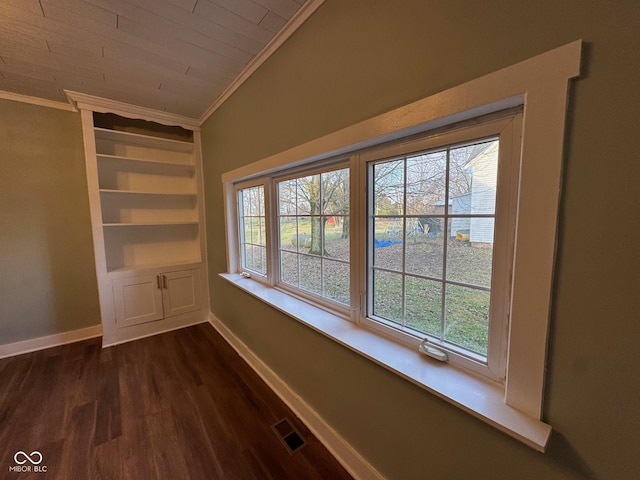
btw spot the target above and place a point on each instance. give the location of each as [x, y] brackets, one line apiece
[82, 101]
[292, 25]
[43, 102]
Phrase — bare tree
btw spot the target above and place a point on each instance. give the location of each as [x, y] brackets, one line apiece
[320, 197]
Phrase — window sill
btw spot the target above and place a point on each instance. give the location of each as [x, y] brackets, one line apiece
[480, 397]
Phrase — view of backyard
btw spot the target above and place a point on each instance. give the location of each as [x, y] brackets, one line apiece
[430, 238]
[466, 309]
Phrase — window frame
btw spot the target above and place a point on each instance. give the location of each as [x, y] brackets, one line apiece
[541, 86]
[274, 273]
[507, 127]
[235, 224]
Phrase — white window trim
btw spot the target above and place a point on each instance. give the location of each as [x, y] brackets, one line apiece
[541, 85]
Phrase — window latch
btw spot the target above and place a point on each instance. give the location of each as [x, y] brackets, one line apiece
[433, 352]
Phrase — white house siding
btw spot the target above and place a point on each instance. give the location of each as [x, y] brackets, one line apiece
[483, 194]
[460, 204]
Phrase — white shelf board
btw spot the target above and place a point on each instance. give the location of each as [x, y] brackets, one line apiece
[145, 140]
[149, 224]
[139, 192]
[142, 268]
[122, 158]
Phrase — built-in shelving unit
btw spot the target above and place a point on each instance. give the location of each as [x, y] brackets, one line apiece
[148, 192]
[146, 199]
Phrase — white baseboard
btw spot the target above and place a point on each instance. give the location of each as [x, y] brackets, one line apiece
[348, 457]
[155, 330]
[40, 343]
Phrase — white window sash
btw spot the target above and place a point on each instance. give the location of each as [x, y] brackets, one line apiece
[507, 129]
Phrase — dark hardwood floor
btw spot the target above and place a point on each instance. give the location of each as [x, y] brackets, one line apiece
[181, 405]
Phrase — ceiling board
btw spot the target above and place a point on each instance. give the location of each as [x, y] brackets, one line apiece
[245, 8]
[235, 23]
[55, 10]
[178, 56]
[273, 22]
[284, 8]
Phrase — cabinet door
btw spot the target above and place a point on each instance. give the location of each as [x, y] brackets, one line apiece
[181, 292]
[137, 299]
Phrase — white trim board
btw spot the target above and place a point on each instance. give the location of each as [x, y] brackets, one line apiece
[55, 340]
[348, 457]
[82, 101]
[43, 102]
[152, 334]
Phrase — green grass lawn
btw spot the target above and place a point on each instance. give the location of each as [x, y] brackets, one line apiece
[466, 308]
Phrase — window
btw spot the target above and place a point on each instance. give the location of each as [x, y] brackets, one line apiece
[252, 229]
[313, 234]
[430, 239]
[432, 245]
[440, 229]
[451, 227]
[432, 226]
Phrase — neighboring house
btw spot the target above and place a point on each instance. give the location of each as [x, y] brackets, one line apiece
[483, 169]
[460, 204]
[484, 177]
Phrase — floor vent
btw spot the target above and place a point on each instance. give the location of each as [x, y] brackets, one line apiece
[289, 436]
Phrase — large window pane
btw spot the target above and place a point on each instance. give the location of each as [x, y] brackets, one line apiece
[335, 278]
[473, 178]
[467, 318]
[252, 229]
[336, 236]
[289, 268]
[387, 295]
[387, 243]
[314, 223]
[289, 237]
[311, 274]
[426, 181]
[295, 233]
[388, 188]
[423, 300]
[424, 250]
[433, 227]
[254, 258]
[287, 197]
[470, 260]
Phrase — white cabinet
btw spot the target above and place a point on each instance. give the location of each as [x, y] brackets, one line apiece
[147, 298]
[137, 300]
[146, 200]
[181, 292]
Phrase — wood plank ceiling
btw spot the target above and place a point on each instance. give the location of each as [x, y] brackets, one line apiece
[176, 56]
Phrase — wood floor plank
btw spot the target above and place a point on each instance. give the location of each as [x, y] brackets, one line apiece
[75, 443]
[108, 422]
[181, 405]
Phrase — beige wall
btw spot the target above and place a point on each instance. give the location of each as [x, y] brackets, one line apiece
[47, 274]
[356, 59]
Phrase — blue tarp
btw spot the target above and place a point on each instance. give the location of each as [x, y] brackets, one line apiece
[385, 243]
